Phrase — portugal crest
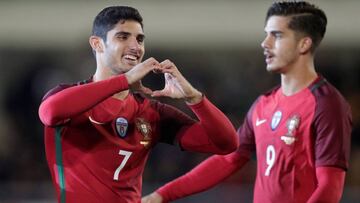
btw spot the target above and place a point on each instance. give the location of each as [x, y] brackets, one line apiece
[292, 124]
[121, 125]
[145, 129]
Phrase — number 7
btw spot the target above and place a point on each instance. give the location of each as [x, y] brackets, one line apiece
[127, 155]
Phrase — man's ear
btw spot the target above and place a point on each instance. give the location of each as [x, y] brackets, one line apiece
[305, 45]
[96, 43]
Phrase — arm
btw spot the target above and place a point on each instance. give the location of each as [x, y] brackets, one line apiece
[59, 106]
[330, 185]
[214, 132]
[211, 171]
[206, 175]
[332, 126]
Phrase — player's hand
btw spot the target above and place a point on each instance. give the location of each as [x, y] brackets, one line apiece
[176, 86]
[139, 87]
[138, 72]
[152, 198]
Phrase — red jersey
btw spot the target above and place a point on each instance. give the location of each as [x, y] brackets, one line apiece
[99, 154]
[292, 135]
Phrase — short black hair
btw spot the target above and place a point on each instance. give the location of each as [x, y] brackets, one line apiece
[306, 18]
[110, 16]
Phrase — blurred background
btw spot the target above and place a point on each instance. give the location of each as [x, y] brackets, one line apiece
[216, 44]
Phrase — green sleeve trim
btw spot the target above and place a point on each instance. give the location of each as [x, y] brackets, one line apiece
[59, 163]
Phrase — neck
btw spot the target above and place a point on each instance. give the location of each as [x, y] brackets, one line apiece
[121, 95]
[299, 77]
[103, 73]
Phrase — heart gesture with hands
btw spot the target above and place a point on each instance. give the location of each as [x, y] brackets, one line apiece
[176, 86]
[138, 72]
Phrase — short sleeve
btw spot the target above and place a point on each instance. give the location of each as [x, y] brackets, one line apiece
[332, 125]
[246, 134]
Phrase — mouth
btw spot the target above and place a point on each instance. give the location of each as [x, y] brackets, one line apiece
[268, 57]
[131, 58]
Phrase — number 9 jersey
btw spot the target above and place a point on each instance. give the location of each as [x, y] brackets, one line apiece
[292, 135]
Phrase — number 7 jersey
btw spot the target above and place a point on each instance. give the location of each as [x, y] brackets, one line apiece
[99, 156]
[97, 145]
[292, 135]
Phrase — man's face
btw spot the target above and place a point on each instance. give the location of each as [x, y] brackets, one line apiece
[124, 46]
[280, 45]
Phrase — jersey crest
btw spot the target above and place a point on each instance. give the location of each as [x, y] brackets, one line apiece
[276, 120]
[121, 126]
[292, 124]
[145, 129]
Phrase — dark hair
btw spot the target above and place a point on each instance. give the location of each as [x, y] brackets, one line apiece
[306, 18]
[110, 16]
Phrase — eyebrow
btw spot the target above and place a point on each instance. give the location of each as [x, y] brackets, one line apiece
[274, 32]
[128, 33]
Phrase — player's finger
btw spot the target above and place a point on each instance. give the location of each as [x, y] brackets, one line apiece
[167, 64]
[145, 200]
[152, 62]
[168, 70]
[158, 93]
[168, 76]
[146, 90]
[157, 70]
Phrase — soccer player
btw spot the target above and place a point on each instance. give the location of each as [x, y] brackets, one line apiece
[299, 130]
[98, 132]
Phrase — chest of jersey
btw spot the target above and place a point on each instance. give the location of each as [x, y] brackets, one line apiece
[127, 123]
[111, 142]
[282, 128]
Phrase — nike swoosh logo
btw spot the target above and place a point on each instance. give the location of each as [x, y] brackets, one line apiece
[259, 122]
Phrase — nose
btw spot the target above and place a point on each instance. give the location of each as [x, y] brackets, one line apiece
[265, 44]
[134, 44]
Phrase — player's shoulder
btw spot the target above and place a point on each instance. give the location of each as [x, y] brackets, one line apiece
[62, 86]
[325, 92]
[328, 97]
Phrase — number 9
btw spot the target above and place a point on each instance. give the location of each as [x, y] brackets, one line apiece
[270, 159]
